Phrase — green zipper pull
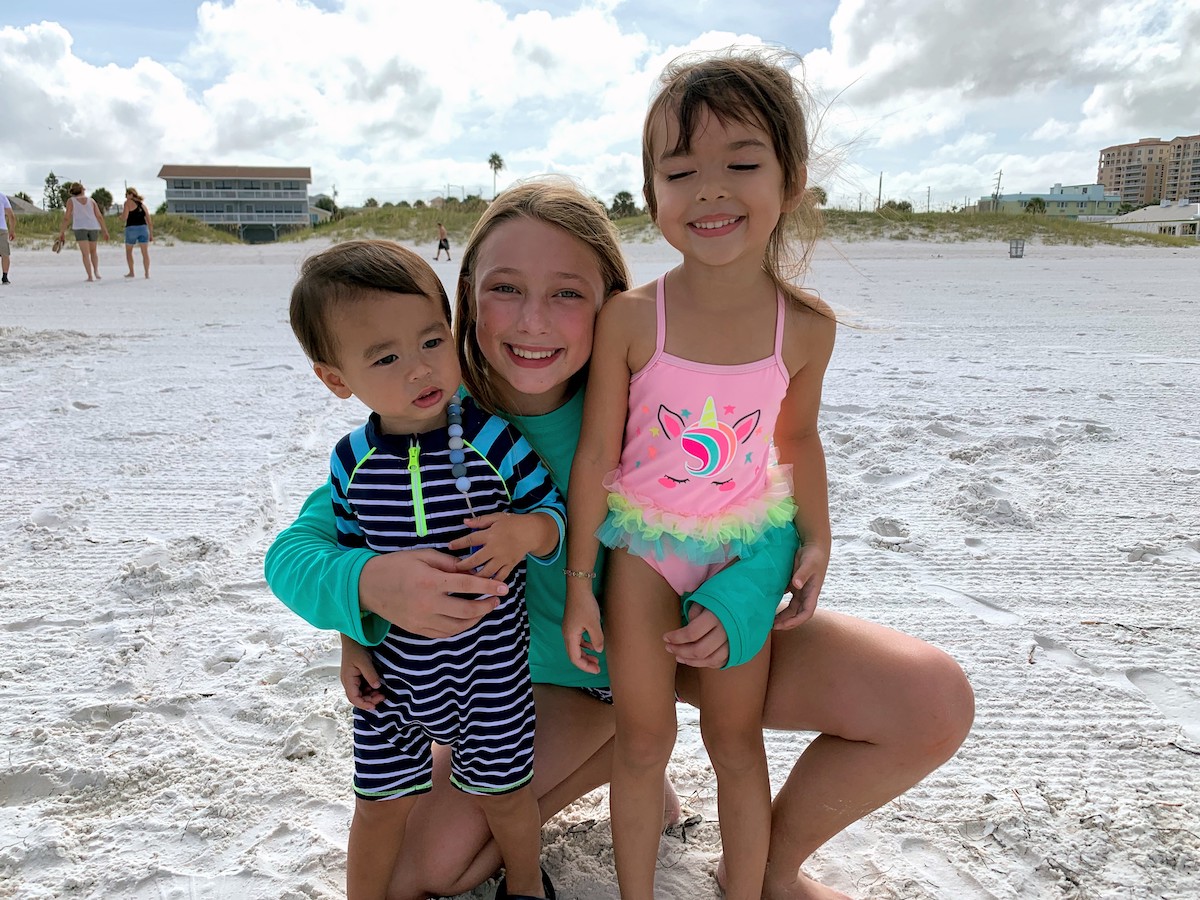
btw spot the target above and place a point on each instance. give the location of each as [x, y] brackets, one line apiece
[414, 474]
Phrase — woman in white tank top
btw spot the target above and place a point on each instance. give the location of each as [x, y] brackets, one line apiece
[86, 219]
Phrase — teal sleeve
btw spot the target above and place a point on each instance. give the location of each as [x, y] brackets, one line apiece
[745, 595]
[318, 580]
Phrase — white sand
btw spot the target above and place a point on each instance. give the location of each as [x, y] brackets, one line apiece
[1014, 449]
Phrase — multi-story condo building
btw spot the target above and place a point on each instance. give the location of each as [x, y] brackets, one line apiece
[242, 196]
[1182, 180]
[1152, 170]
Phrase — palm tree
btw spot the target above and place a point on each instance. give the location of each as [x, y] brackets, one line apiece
[496, 162]
[1036, 206]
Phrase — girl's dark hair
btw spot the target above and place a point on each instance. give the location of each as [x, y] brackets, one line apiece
[342, 274]
[748, 87]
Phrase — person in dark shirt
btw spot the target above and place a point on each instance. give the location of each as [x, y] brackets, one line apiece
[139, 229]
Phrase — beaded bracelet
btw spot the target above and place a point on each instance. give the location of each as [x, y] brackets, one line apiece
[576, 573]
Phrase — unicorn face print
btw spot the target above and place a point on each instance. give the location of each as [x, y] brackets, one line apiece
[709, 447]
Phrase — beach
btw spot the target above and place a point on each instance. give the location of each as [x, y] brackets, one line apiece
[1014, 460]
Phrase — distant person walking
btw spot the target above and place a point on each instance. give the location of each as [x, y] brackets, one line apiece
[443, 242]
[8, 233]
[85, 218]
[139, 229]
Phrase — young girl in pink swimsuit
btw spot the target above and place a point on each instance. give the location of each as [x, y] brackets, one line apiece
[699, 437]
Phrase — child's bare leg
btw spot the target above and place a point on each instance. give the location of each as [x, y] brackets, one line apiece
[517, 827]
[376, 833]
[641, 607]
[731, 705]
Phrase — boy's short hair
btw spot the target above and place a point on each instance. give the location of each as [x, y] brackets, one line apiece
[342, 274]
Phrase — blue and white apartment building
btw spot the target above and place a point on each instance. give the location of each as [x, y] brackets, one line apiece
[1074, 201]
[251, 198]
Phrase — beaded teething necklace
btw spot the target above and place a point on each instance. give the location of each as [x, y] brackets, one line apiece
[458, 459]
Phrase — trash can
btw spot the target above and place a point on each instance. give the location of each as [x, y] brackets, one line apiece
[1016, 248]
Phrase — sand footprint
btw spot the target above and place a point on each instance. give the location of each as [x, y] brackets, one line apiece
[981, 609]
[939, 872]
[1187, 552]
[1172, 699]
[1065, 656]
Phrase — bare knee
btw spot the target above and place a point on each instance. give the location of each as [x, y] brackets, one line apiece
[644, 748]
[732, 748]
[947, 702]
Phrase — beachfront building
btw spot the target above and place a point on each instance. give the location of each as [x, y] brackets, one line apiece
[1151, 170]
[256, 200]
[1179, 218]
[1072, 201]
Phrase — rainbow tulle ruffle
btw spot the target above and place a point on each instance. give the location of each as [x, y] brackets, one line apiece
[646, 530]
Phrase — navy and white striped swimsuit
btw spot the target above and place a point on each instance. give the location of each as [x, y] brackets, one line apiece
[471, 691]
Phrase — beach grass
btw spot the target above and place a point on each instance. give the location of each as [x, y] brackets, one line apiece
[38, 227]
[849, 225]
[419, 225]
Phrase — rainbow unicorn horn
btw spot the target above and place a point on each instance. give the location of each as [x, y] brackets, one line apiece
[709, 443]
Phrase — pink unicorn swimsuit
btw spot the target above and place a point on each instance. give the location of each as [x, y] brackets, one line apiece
[698, 484]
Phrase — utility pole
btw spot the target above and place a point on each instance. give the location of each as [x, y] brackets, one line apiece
[927, 189]
[879, 196]
[996, 195]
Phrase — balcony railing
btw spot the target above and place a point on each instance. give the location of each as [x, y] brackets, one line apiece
[245, 194]
[233, 218]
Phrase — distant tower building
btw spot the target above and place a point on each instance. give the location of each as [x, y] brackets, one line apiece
[1152, 170]
[1134, 171]
[1182, 180]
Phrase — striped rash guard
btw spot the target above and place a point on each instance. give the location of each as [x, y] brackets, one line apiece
[471, 691]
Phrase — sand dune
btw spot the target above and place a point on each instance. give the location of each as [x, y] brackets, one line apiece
[1014, 455]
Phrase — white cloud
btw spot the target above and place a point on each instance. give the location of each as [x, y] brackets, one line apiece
[405, 100]
[1083, 75]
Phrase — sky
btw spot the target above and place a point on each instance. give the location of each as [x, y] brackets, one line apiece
[938, 100]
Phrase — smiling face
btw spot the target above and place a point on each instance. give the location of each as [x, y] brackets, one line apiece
[396, 355]
[536, 292]
[720, 199]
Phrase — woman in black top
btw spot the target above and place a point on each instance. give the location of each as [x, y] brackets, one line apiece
[138, 229]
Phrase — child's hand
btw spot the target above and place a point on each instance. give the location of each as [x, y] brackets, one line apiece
[359, 678]
[702, 643]
[582, 614]
[501, 541]
[811, 564]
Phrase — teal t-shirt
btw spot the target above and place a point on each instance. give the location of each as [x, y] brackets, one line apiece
[554, 436]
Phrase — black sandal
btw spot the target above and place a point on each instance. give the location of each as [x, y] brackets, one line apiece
[547, 886]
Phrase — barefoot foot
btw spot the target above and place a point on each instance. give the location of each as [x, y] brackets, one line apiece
[800, 887]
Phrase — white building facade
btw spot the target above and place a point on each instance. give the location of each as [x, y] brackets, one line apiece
[241, 196]
[1179, 219]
